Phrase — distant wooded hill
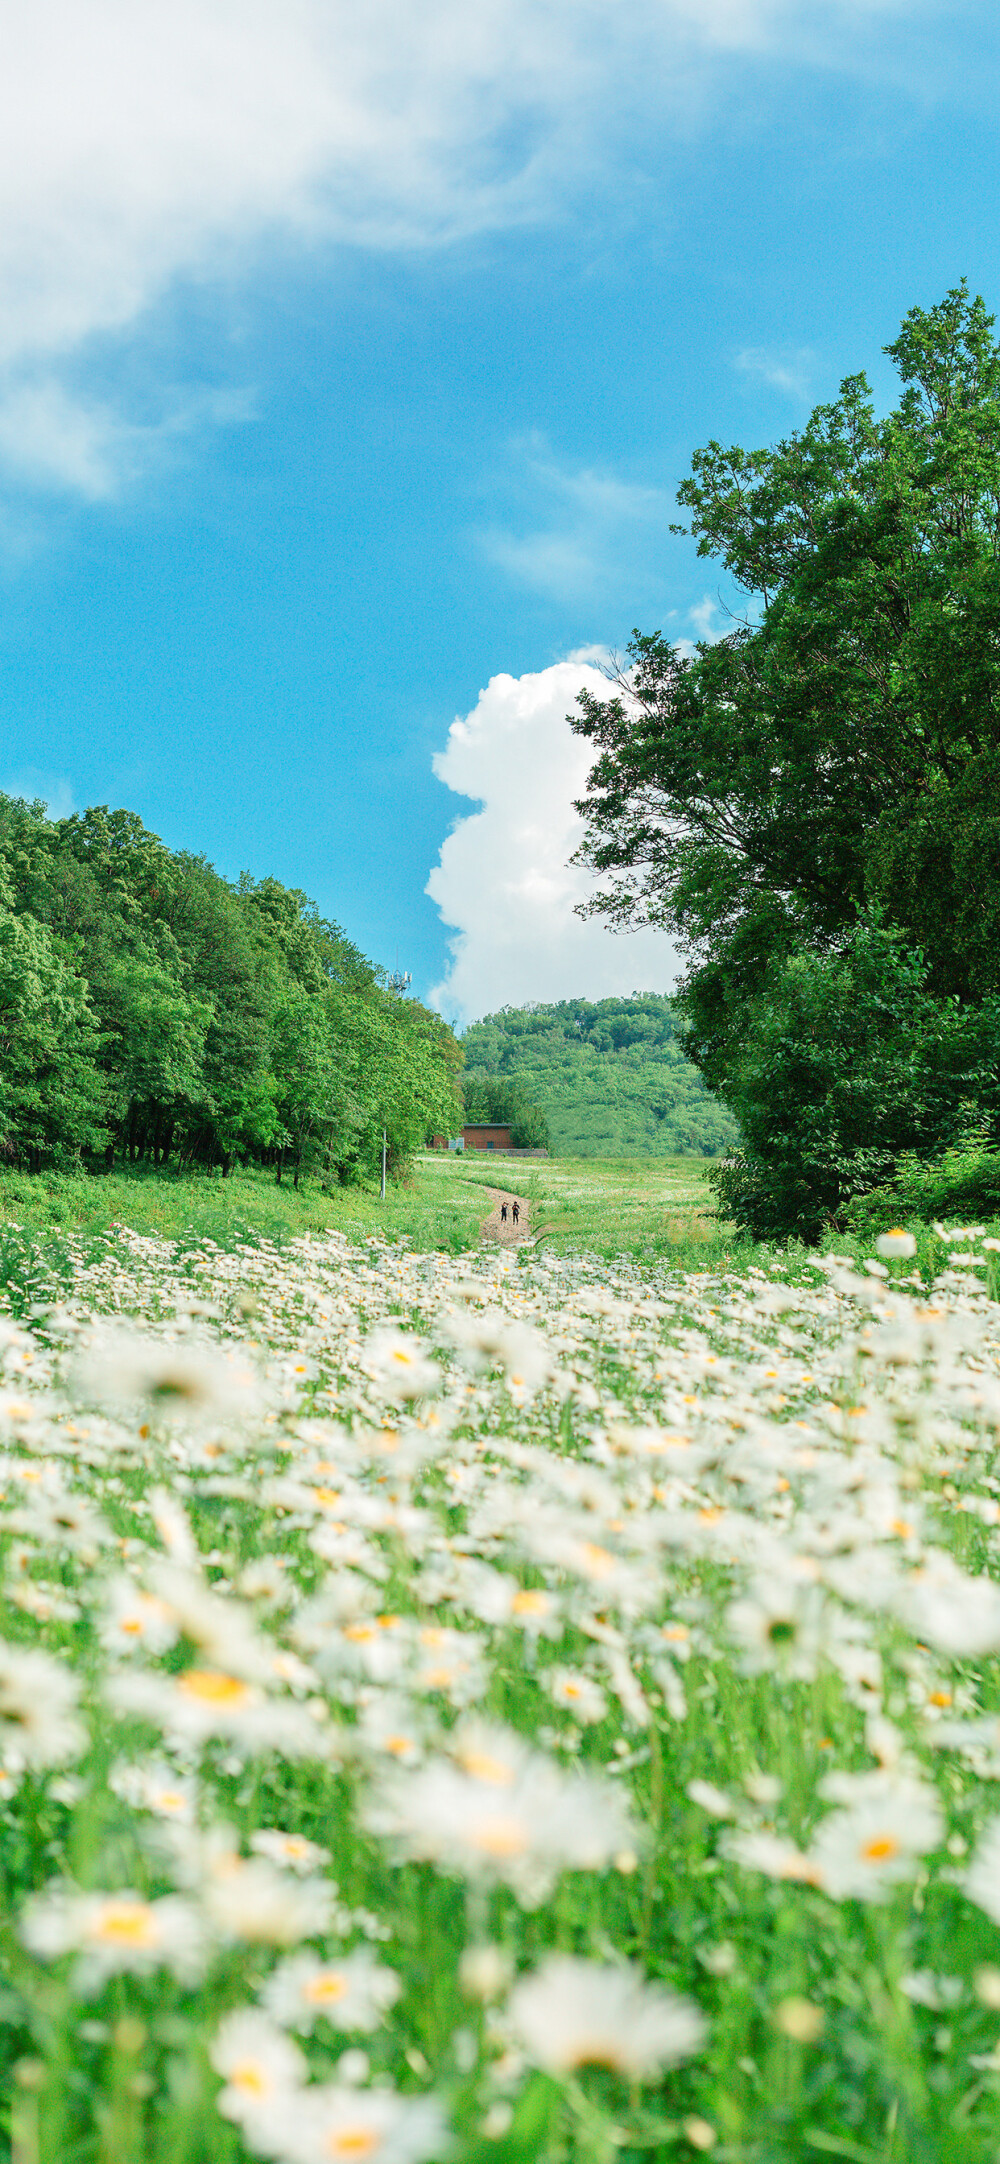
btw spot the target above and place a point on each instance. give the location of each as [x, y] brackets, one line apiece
[609, 1074]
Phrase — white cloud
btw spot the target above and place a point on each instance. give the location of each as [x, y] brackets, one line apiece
[142, 144]
[55, 791]
[585, 534]
[782, 368]
[60, 441]
[504, 880]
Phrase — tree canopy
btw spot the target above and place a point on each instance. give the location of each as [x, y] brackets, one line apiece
[611, 1075]
[835, 759]
[149, 1007]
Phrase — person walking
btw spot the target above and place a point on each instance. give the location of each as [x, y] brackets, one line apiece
[516, 1212]
[503, 1213]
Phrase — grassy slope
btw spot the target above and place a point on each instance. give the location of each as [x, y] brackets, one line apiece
[610, 1076]
[614, 1206]
[655, 1208]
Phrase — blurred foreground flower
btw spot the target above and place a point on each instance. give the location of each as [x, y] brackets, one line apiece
[572, 2013]
[114, 1933]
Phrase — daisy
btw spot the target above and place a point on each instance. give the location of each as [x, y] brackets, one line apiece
[290, 1849]
[261, 2066]
[251, 1901]
[336, 2124]
[114, 1933]
[204, 1702]
[516, 1818]
[400, 1365]
[39, 1724]
[136, 1621]
[571, 2013]
[186, 1383]
[353, 1992]
[577, 1693]
[982, 1879]
[157, 1788]
[860, 1852]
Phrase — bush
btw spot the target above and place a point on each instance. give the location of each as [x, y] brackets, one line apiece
[851, 1066]
[962, 1183]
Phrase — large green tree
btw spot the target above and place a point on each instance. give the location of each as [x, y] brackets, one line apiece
[149, 1007]
[840, 747]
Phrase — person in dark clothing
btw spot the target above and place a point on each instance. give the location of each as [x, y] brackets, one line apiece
[503, 1213]
[516, 1212]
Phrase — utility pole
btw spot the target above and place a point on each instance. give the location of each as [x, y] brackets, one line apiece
[398, 982]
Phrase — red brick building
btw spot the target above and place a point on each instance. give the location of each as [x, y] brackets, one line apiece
[478, 1137]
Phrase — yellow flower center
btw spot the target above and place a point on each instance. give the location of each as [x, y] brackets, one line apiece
[249, 2077]
[483, 1767]
[530, 1602]
[126, 1923]
[211, 1689]
[325, 1990]
[500, 1837]
[352, 2141]
[881, 1848]
[597, 1560]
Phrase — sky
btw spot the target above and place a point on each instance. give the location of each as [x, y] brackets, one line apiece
[350, 360]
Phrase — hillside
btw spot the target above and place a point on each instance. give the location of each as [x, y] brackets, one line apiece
[610, 1076]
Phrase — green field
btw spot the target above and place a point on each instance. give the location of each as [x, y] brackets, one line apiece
[613, 1206]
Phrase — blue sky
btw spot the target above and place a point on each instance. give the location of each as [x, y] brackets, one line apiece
[349, 360]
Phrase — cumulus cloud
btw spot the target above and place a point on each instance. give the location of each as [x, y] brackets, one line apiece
[141, 144]
[504, 881]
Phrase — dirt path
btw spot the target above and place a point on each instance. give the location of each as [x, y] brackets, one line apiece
[492, 1232]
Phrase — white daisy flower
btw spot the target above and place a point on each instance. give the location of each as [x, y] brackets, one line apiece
[335, 2123]
[167, 1383]
[352, 1992]
[114, 1933]
[261, 2066]
[577, 1694]
[571, 2013]
[39, 1723]
[291, 1850]
[896, 1243]
[400, 1365]
[860, 1852]
[253, 1902]
[982, 1879]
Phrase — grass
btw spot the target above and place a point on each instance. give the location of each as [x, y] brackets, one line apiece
[247, 1206]
[646, 1206]
[656, 1210]
[719, 1512]
[652, 1207]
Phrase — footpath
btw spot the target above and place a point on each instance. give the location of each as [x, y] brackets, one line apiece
[494, 1233]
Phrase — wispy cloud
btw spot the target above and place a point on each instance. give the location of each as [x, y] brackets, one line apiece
[577, 533]
[784, 368]
[64, 443]
[141, 146]
[32, 783]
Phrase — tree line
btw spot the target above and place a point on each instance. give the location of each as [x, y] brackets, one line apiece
[811, 805]
[611, 1074]
[153, 1012]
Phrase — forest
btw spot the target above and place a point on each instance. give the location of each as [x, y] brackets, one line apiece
[153, 1012]
[610, 1076]
[810, 805]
